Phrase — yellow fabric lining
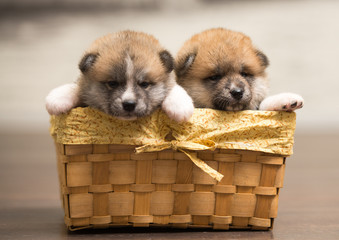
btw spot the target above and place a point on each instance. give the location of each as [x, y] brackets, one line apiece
[265, 131]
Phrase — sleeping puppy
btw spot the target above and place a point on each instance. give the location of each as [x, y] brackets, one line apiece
[221, 69]
[127, 75]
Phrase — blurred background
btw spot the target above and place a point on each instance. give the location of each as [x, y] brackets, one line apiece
[41, 42]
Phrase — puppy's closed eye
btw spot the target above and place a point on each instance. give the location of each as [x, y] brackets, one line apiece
[246, 74]
[214, 78]
[144, 85]
[112, 84]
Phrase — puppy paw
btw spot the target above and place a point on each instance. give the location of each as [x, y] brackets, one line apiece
[282, 102]
[62, 99]
[178, 105]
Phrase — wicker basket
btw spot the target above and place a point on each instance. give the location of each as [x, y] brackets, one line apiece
[105, 184]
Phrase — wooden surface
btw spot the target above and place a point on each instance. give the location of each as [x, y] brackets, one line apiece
[30, 207]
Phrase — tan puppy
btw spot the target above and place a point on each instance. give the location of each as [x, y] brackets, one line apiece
[221, 69]
[128, 75]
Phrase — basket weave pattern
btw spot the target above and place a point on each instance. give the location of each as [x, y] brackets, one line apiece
[107, 185]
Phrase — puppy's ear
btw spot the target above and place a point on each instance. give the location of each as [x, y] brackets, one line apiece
[87, 62]
[263, 59]
[184, 64]
[167, 60]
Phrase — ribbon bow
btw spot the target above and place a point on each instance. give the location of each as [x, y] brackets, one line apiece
[182, 146]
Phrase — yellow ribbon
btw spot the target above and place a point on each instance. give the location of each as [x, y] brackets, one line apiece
[180, 146]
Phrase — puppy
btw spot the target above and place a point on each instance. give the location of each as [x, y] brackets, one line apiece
[127, 75]
[221, 69]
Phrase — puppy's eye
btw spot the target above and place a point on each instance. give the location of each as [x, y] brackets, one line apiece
[246, 74]
[112, 84]
[214, 78]
[144, 84]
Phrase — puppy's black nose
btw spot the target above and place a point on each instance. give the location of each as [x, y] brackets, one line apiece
[237, 93]
[129, 105]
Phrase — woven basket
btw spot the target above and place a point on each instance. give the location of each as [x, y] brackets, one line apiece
[105, 183]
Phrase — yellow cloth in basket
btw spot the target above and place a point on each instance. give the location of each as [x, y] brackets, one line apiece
[264, 131]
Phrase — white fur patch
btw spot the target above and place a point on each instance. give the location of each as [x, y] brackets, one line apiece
[178, 105]
[62, 99]
[259, 92]
[282, 102]
[129, 67]
[129, 93]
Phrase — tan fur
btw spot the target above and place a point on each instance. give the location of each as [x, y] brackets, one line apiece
[128, 75]
[127, 60]
[114, 47]
[224, 52]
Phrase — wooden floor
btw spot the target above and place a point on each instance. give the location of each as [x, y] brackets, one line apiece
[30, 208]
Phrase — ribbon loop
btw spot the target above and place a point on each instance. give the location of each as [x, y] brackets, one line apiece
[182, 146]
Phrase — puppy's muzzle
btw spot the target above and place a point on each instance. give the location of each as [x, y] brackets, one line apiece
[237, 93]
[129, 105]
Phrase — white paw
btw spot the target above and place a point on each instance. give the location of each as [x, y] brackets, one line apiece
[282, 102]
[178, 105]
[62, 99]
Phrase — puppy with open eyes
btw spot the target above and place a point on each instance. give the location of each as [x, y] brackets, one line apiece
[127, 75]
[221, 69]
